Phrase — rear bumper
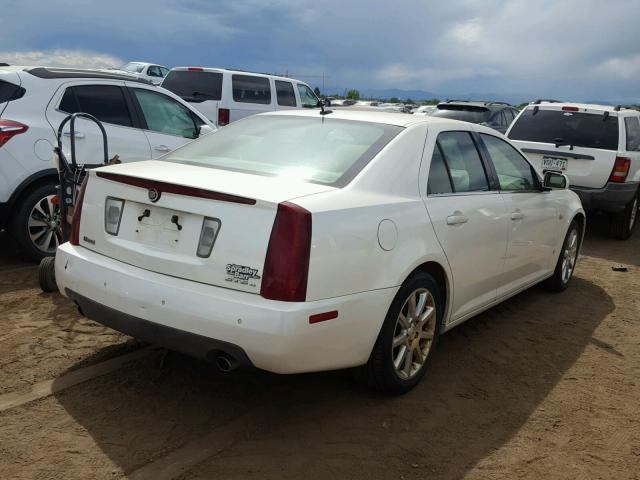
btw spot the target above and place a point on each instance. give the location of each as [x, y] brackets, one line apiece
[201, 320]
[614, 197]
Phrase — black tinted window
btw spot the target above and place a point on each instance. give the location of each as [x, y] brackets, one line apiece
[632, 125]
[462, 157]
[439, 181]
[250, 89]
[9, 91]
[572, 128]
[285, 94]
[194, 86]
[465, 114]
[514, 172]
[105, 102]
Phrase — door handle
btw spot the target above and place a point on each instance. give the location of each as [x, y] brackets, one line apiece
[517, 215]
[161, 148]
[77, 134]
[457, 219]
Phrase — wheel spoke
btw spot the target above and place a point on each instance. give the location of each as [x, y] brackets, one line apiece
[408, 362]
[426, 316]
[400, 339]
[400, 357]
[412, 307]
[422, 300]
[419, 356]
[403, 321]
[37, 222]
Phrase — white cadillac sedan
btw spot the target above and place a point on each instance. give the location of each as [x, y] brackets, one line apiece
[299, 241]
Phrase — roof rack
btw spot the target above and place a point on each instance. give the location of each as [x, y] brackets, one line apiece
[2, 64]
[547, 100]
[486, 102]
[49, 73]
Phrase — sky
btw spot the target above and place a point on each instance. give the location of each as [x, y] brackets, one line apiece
[569, 49]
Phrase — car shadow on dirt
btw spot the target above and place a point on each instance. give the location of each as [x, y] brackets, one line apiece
[485, 380]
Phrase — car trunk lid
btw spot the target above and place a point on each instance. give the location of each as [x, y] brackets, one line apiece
[165, 210]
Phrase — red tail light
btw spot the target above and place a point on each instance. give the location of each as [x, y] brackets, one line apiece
[570, 109]
[620, 170]
[223, 117]
[286, 267]
[194, 69]
[9, 129]
[74, 237]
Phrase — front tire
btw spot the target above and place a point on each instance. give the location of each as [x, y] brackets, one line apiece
[407, 338]
[622, 223]
[36, 224]
[566, 260]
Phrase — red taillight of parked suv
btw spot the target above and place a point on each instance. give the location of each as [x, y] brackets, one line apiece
[620, 170]
[9, 129]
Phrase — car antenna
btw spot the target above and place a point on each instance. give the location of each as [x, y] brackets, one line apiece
[322, 110]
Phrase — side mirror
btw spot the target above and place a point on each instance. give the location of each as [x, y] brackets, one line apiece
[555, 181]
[205, 130]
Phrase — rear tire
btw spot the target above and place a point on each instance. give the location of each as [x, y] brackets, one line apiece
[47, 275]
[566, 260]
[410, 327]
[622, 223]
[32, 226]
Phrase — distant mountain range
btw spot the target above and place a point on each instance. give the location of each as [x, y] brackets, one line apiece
[419, 95]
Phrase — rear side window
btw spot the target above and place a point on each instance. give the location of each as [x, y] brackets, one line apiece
[439, 180]
[587, 130]
[105, 102]
[10, 91]
[250, 89]
[514, 172]
[285, 94]
[462, 157]
[194, 86]
[632, 126]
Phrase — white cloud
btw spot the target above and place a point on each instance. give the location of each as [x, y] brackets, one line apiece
[61, 58]
[403, 75]
[625, 68]
[466, 33]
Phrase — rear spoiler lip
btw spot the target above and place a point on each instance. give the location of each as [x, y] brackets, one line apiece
[557, 153]
[165, 187]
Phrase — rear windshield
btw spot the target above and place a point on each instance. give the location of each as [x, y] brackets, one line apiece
[313, 149]
[463, 113]
[588, 130]
[194, 86]
[10, 91]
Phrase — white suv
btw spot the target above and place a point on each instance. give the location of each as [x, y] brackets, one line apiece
[225, 96]
[142, 122]
[597, 146]
[147, 71]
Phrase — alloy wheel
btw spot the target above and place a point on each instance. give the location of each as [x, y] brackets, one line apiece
[414, 333]
[569, 255]
[44, 225]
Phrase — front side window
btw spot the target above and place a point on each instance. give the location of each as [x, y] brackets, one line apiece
[462, 157]
[514, 172]
[105, 102]
[164, 115]
[154, 71]
[285, 94]
[632, 125]
[308, 99]
[590, 130]
[250, 89]
[326, 151]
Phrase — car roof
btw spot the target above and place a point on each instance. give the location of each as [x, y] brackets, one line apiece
[387, 118]
[584, 107]
[49, 73]
[239, 72]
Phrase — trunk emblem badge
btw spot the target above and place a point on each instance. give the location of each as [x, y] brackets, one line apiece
[154, 194]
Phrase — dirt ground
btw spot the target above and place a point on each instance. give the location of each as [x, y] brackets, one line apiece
[542, 386]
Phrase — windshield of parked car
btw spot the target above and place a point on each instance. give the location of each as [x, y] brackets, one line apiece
[313, 149]
[588, 130]
[463, 113]
[133, 67]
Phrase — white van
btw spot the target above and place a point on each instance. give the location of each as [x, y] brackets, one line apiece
[224, 96]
